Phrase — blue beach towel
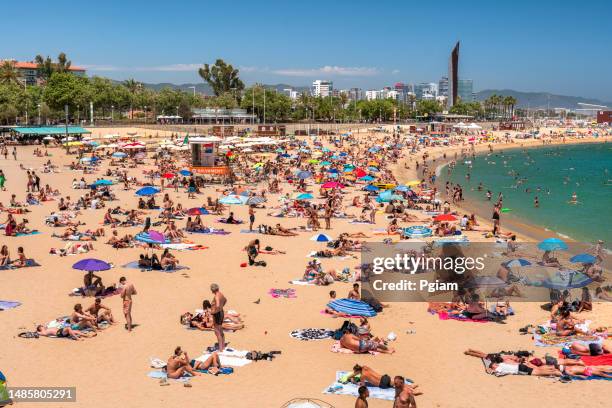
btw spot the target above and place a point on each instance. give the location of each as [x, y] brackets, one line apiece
[7, 304]
[338, 388]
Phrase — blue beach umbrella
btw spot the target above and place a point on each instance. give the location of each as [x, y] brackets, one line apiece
[185, 173]
[402, 188]
[321, 238]
[552, 244]
[305, 196]
[516, 263]
[103, 182]
[304, 174]
[371, 187]
[231, 199]
[367, 178]
[566, 280]
[325, 163]
[335, 171]
[372, 168]
[583, 258]
[255, 200]
[147, 191]
[119, 155]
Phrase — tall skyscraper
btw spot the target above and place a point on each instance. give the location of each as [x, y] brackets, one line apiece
[465, 90]
[453, 76]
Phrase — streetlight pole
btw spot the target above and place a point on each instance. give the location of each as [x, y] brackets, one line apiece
[112, 113]
[66, 118]
[264, 115]
[145, 114]
[38, 114]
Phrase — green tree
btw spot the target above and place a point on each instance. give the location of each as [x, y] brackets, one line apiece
[222, 77]
[9, 73]
[46, 67]
[67, 89]
[133, 87]
[428, 107]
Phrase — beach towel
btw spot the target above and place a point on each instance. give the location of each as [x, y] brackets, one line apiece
[181, 246]
[230, 357]
[313, 254]
[108, 292]
[338, 388]
[359, 222]
[246, 231]
[210, 232]
[21, 234]
[311, 334]
[29, 264]
[337, 348]
[552, 340]
[7, 304]
[286, 293]
[162, 375]
[134, 265]
[302, 282]
[444, 315]
[224, 221]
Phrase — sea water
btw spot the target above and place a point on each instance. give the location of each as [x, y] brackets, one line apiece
[552, 174]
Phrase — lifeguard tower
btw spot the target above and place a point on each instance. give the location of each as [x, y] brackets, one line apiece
[206, 160]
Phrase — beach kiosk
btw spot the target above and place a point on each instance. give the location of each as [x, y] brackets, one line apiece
[206, 160]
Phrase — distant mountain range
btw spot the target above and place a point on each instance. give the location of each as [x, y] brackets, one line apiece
[532, 100]
[541, 99]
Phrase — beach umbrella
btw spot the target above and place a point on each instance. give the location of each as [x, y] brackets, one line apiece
[402, 188]
[413, 183]
[91, 265]
[304, 196]
[325, 163]
[445, 217]
[197, 211]
[313, 161]
[48, 138]
[374, 169]
[516, 263]
[119, 155]
[371, 187]
[147, 191]
[321, 238]
[157, 236]
[304, 174]
[552, 244]
[86, 159]
[505, 210]
[167, 175]
[334, 171]
[103, 182]
[231, 199]
[485, 282]
[255, 200]
[563, 280]
[332, 184]
[366, 178]
[418, 231]
[185, 173]
[583, 258]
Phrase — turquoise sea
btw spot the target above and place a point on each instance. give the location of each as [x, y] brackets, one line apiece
[552, 174]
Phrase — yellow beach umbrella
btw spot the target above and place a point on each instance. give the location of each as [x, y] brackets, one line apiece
[413, 183]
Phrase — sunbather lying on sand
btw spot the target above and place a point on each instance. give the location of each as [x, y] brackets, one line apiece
[360, 346]
[365, 375]
[62, 332]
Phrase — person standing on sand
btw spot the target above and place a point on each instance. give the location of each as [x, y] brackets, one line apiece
[251, 217]
[362, 401]
[2, 181]
[218, 302]
[404, 397]
[127, 291]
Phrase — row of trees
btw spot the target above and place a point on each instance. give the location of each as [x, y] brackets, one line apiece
[58, 87]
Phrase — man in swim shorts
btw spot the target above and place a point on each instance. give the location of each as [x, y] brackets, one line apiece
[127, 290]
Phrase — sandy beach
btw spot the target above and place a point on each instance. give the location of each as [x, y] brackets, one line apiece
[112, 368]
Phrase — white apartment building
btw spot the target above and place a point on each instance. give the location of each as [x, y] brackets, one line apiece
[322, 88]
[372, 94]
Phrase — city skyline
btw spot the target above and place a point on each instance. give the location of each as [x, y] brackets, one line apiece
[351, 47]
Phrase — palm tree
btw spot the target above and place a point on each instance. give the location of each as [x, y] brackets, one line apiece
[133, 88]
[63, 64]
[9, 73]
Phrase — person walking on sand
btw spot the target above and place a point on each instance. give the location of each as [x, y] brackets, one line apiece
[218, 302]
[127, 290]
[362, 399]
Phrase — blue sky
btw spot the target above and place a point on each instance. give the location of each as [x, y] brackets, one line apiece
[555, 46]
